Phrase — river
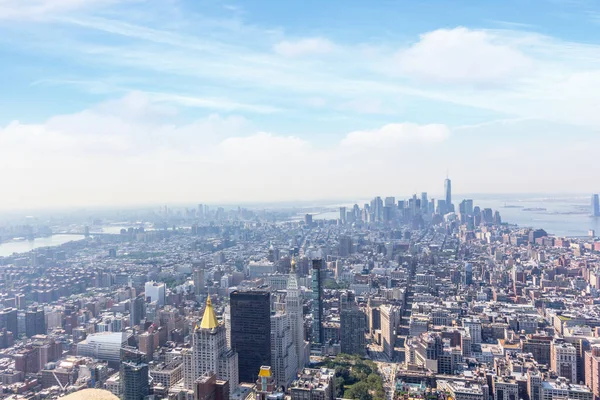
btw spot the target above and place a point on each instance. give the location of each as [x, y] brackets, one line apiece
[8, 248]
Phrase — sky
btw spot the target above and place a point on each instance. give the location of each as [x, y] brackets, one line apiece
[108, 102]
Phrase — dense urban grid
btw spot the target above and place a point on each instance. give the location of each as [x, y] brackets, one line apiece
[395, 299]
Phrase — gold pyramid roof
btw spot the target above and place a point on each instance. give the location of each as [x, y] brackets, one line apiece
[209, 320]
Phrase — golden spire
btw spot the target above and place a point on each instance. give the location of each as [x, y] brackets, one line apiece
[293, 269]
[209, 320]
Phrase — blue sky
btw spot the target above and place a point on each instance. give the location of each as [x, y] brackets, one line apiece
[108, 101]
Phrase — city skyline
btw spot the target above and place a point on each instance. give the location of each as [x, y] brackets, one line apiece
[114, 103]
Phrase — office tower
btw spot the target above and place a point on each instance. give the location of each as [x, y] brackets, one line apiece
[155, 292]
[441, 207]
[468, 274]
[389, 319]
[284, 359]
[353, 326]
[308, 219]
[345, 246]
[377, 208]
[210, 352]
[356, 212]
[265, 385]
[251, 331]
[595, 205]
[35, 322]
[424, 203]
[136, 310]
[448, 193]
[563, 360]
[317, 303]
[199, 280]
[133, 374]
[200, 211]
[390, 202]
[343, 215]
[293, 307]
[8, 321]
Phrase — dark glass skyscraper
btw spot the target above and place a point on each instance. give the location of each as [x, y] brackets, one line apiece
[35, 322]
[134, 374]
[251, 331]
[317, 305]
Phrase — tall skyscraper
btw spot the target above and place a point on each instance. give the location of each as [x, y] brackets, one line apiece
[136, 310]
[284, 359]
[595, 205]
[317, 304]
[209, 352]
[448, 192]
[199, 280]
[35, 322]
[251, 331]
[343, 215]
[424, 203]
[293, 307]
[389, 319]
[133, 374]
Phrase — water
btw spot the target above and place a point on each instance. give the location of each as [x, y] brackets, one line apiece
[8, 248]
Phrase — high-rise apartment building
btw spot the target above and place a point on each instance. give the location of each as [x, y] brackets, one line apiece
[209, 352]
[353, 326]
[133, 374]
[317, 304]
[251, 331]
[8, 321]
[592, 370]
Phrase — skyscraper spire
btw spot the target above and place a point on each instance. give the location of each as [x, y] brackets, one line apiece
[209, 320]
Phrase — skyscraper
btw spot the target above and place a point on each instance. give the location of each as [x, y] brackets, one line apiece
[317, 304]
[251, 331]
[424, 203]
[283, 352]
[448, 192]
[343, 215]
[133, 374]
[595, 205]
[136, 310]
[293, 307]
[156, 292]
[35, 322]
[199, 280]
[209, 352]
[8, 321]
[353, 326]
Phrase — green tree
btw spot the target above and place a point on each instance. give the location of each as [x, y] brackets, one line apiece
[359, 391]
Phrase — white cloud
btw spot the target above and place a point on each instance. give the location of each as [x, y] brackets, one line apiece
[394, 134]
[10, 9]
[462, 55]
[302, 47]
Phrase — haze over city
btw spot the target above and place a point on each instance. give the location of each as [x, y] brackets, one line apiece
[131, 102]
